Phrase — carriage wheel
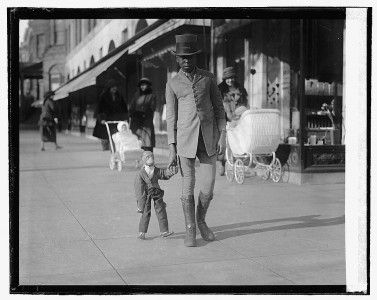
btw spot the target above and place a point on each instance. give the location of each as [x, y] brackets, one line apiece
[276, 171]
[112, 163]
[120, 166]
[229, 172]
[239, 171]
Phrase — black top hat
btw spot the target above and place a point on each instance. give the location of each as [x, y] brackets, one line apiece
[186, 44]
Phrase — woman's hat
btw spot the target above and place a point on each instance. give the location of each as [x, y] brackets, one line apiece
[120, 124]
[186, 44]
[111, 82]
[145, 80]
[49, 94]
[229, 72]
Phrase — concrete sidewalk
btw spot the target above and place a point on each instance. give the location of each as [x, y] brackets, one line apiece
[78, 225]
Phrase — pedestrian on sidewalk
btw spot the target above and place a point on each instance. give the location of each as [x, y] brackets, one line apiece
[196, 128]
[148, 189]
[234, 98]
[142, 109]
[48, 121]
[111, 107]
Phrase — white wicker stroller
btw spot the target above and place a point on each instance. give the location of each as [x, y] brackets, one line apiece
[252, 143]
[115, 157]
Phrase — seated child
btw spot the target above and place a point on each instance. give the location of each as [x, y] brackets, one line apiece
[148, 189]
[237, 115]
[234, 105]
[124, 140]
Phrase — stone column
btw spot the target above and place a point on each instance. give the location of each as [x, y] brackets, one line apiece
[259, 80]
[285, 97]
[285, 81]
[247, 68]
[220, 58]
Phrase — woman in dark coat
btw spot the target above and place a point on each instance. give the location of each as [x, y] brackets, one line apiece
[111, 107]
[142, 109]
[234, 95]
[47, 121]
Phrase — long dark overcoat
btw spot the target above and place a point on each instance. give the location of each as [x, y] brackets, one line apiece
[142, 109]
[109, 110]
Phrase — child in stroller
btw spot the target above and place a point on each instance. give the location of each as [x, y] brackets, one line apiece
[124, 141]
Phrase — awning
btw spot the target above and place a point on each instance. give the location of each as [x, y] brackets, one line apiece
[31, 71]
[87, 78]
[165, 28]
[159, 53]
[37, 103]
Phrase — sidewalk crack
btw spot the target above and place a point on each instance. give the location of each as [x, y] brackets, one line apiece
[83, 228]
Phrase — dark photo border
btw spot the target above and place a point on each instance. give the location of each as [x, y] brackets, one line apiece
[14, 15]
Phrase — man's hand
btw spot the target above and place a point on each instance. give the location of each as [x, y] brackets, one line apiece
[103, 121]
[221, 143]
[172, 156]
[56, 120]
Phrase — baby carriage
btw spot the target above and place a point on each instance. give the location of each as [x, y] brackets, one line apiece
[251, 145]
[119, 144]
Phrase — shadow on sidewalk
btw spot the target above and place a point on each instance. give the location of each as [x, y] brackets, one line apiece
[232, 230]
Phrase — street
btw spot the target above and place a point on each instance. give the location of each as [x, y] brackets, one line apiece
[78, 226]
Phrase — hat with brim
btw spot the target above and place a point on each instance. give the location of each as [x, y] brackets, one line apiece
[185, 45]
[145, 80]
[111, 82]
[229, 72]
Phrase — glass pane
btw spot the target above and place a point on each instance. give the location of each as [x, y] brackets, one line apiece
[324, 82]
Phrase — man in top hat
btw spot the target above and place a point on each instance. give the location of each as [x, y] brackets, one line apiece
[196, 128]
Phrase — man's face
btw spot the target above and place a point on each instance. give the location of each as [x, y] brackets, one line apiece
[187, 62]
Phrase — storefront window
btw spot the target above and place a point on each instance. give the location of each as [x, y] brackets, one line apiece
[323, 82]
[235, 55]
[273, 77]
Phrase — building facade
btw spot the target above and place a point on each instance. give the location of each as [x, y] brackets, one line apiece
[44, 41]
[294, 66]
[89, 40]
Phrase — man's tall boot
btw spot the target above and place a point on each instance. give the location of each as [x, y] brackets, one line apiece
[188, 205]
[201, 211]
